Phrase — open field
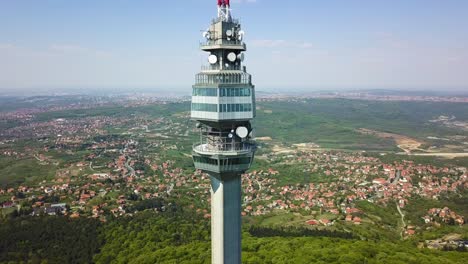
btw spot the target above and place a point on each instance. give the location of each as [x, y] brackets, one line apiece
[443, 155]
[405, 143]
[363, 126]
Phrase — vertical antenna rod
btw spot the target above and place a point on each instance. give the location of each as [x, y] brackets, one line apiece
[224, 10]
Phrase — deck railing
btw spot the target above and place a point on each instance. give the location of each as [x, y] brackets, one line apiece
[223, 148]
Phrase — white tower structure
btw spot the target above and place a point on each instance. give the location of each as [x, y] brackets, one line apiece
[223, 103]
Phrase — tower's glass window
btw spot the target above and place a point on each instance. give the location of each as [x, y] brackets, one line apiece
[227, 108]
[235, 92]
[205, 160]
[204, 107]
[235, 161]
[205, 92]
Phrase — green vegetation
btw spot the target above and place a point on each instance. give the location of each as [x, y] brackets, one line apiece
[332, 123]
[380, 223]
[335, 250]
[179, 237]
[48, 240]
[148, 237]
[296, 232]
[157, 110]
[436, 161]
[419, 206]
[294, 123]
[17, 171]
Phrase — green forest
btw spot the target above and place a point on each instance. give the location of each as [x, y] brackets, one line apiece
[180, 236]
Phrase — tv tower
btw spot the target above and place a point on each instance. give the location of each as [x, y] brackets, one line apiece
[223, 103]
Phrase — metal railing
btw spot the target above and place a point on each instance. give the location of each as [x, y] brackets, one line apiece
[221, 168]
[219, 19]
[217, 67]
[222, 42]
[223, 78]
[224, 148]
[221, 142]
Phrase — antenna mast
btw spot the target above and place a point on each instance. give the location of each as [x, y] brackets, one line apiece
[224, 10]
[223, 104]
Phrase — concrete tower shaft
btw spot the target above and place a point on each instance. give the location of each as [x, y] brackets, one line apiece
[223, 104]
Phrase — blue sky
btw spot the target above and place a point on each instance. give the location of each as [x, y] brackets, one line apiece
[293, 44]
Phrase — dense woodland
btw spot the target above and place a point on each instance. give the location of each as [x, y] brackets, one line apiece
[49, 240]
[179, 236]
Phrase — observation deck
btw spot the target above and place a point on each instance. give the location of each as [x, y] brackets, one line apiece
[225, 78]
[224, 158]
[223, 154]
[219, 166]
[223, 144]
[228, 149]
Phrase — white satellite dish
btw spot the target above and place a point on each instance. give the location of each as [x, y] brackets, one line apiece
[241, 34]
[212, 59]
[230, 135]
[229, 33]
[232, 57]
[242, 132]
[241, 57]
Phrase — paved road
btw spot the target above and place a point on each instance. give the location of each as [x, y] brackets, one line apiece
[401, 214]
[170, 189]
[129, 168]
[402, 220]
[127, 163]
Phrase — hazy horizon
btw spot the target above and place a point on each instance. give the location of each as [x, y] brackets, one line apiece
[50, 46]
[186, 91]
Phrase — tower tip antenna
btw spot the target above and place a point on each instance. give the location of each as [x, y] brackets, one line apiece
[224, 11]
[224, 3]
